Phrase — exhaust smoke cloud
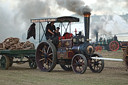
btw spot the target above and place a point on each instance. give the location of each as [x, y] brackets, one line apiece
[15, 15]
[108, 26]
[76, 6]
[15, 20]
[110, 7]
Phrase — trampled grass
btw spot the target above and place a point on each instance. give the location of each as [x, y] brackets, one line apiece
[114, 73]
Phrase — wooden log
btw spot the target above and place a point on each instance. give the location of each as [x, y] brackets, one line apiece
[13, 47]
[20, 45]
[14, 44]
[2, 46]
[28, 45]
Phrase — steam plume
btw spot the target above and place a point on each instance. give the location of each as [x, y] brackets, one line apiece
[110, 6]
[15, 22]
[77, 6]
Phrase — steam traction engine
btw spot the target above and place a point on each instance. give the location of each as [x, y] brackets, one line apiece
[111, 44]
[72, 52]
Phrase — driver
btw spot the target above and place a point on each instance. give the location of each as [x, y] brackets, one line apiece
[50, 29]
[57, 33]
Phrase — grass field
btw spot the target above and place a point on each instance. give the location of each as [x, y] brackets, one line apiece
[114, 73]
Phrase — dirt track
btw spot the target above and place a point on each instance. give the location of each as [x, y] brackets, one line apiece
[114, 73]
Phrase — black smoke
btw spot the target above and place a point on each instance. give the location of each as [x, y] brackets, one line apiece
[76, 6]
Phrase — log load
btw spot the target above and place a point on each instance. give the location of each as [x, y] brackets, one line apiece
[15, 44]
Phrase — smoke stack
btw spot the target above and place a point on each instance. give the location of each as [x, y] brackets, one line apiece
[97, 37]
[115, 38]
[86, 25]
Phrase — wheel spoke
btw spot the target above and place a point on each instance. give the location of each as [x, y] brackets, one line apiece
[80, 68]
[48, 49]
[50, 54]
[94, 66]
[44, 50]
[42, 59]
[74, 64]
[50, 60]
[42, 55]
[97, 67]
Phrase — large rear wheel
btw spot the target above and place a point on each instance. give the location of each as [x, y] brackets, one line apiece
[46, 56]
[114, 46]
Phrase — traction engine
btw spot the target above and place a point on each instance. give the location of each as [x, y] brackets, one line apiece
[72, 52]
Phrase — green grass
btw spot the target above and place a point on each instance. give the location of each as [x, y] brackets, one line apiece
[22, 75]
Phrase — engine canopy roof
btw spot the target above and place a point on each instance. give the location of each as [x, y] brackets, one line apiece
[58, 19]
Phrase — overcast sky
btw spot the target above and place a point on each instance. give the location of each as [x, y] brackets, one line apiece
[15, 15]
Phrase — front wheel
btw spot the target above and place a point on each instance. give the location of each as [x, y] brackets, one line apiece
[11, 62]
[32, 64]
[79, 63]
[96, 65]
[5, 62]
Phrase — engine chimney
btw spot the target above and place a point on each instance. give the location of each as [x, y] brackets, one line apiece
[96, 37]
[86, 25]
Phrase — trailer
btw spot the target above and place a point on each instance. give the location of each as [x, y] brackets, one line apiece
[8, 57]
